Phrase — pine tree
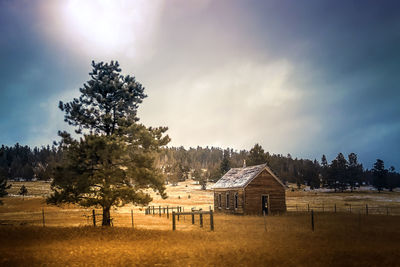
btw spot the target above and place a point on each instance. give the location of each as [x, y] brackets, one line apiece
[355, 171]
[256, 156]
[225, 164]
[113, 162]
[324, 162]
[23, 191]
[3, 184]
[379, 173]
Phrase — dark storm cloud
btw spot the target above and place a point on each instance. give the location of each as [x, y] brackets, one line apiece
[352, 49]
[32, 71]
[304, 78]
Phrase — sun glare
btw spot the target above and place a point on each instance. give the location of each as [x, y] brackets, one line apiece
[106, 25]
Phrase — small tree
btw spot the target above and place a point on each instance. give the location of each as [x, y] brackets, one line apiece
[201, 178]
[3, 184]
[23, 191]
[176, 174]
[379, 175]
[196, 174]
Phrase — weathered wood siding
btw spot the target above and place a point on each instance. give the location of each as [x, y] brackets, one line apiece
[264, 184]
[231, 195]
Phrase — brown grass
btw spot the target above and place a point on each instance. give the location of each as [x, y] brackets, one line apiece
[339, 240]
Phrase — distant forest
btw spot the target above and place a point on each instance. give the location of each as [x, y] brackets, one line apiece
[209, 164]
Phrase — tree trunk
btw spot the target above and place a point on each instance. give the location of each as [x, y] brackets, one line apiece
[106, 216]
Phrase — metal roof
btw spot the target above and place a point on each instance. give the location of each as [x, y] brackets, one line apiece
[240, 177]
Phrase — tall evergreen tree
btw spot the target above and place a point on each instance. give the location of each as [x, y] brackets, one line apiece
[392, 179]
[112, 163]
[226, 163]
[256, 156]
[355, 171]
[324, 162]
[379, 173]
[337, 173]
[3, 184]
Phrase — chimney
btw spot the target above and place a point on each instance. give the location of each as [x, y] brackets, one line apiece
[244, 163]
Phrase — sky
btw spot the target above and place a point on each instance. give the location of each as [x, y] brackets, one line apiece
[301, 77]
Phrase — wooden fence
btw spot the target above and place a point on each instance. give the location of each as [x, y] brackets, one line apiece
[178, 211]
[193, 214]
[154, 210]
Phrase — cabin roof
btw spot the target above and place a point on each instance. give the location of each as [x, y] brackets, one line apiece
[241, 177]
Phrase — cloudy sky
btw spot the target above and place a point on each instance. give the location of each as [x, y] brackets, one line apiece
[300, 77]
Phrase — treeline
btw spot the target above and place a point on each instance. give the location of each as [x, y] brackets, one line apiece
[210, 163]
[23, 162]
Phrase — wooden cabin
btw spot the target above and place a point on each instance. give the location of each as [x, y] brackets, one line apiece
[249, 190]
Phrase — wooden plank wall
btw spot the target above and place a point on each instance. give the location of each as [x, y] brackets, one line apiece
[264, 184]
[231, 193]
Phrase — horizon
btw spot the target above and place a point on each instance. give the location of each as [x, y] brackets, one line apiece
[304, 79]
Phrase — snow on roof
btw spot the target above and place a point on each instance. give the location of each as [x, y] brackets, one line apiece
[239, 177]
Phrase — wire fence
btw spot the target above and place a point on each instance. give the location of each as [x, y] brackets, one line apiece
[347, 208]
[157, 217]
[151, 217]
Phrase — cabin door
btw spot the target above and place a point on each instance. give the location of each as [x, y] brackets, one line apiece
[265, 204]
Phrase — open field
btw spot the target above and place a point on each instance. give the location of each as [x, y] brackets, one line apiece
[340, 240]
[188, 194]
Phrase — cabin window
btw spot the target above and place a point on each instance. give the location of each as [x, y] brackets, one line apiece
[227, 200]
[219, 200]
[236, 200]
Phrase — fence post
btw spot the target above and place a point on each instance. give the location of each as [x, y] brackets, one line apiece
[163, 210]
[132, 217]
[350, 208]
[167, 212]
[209, 207]
[178, 210]
[159, 210]
[94, 217]
[173, 221]
[153, 210]
[192, 218]
[211, 220]
[366, 209]
[201, 219]
[312, 220]
[308, 207]
[43, 216]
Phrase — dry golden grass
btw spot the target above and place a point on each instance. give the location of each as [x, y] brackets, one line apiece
[339, 240]
[378, 203]
[179, 196]
[38, 188]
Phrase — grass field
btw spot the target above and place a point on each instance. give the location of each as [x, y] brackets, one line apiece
[341, 239]
[338, 240]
